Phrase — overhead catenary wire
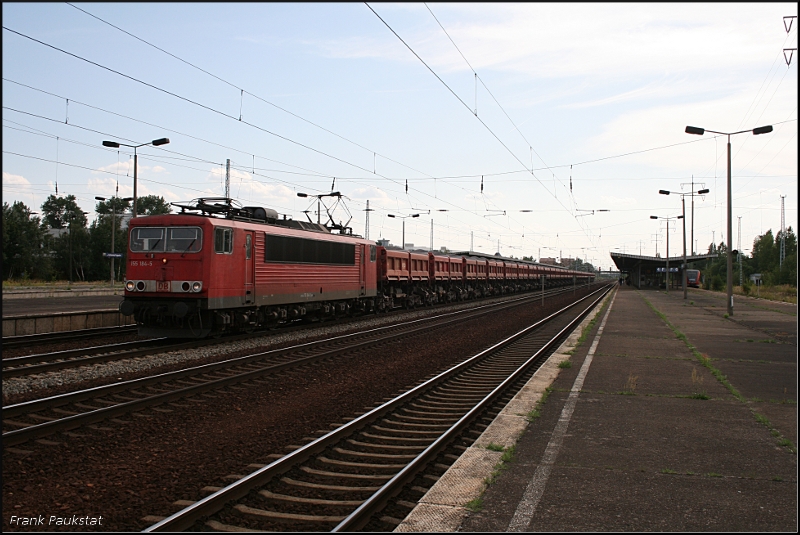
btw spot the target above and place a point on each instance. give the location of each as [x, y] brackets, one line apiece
[243, 91]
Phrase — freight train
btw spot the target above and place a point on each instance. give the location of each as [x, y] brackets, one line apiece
[215, 268]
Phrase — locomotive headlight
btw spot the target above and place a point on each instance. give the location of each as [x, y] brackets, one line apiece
[197, 286]
[185, 286]
[130, 286]
[163, 260]
[140, 286]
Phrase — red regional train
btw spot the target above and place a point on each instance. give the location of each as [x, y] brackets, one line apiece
[216, 268]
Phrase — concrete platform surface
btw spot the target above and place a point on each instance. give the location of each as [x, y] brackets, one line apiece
[29, 307]
[674, 419]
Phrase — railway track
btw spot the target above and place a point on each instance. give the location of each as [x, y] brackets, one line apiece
[71, 358]
[368, 473]
[42, 417]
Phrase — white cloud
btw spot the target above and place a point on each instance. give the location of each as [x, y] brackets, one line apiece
[566, 40]
[16, 180]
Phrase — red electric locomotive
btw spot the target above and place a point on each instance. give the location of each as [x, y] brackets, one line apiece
[191, 275]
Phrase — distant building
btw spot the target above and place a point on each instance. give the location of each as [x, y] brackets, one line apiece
[57, 232]
[551, 261]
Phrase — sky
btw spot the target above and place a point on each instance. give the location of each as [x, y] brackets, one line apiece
[529, 129]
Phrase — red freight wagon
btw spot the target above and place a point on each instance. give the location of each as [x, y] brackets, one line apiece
[438, 267]
[482, 269]
[456, 269]
[395, 265]
[470, 269]
[495, 270]
[419, 266]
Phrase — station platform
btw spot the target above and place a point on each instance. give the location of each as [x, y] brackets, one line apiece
[54, 305]
[671, 417]
[39, 311]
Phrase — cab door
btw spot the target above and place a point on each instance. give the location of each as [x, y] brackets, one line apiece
[362, 270]
[248, 298]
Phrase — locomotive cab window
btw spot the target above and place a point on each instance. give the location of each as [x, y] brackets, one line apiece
[147, 239]
[372, 253]
[223, 240]
[184, 239]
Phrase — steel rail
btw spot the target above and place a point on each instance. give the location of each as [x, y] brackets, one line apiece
[70, 358]
[185, 518]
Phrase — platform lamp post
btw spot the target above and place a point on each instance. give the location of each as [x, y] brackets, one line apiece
[756, 131]
[666, 278]
[113, 227]
[683, 216]
[403, 217]
[115, 145]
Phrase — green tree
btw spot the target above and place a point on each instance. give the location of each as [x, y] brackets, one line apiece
[765, 256]
[23, 239]
[152, 205]
[70, 248]
[57, 212]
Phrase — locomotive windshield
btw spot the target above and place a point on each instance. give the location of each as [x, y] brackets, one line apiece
[172, 239]
[184, 239]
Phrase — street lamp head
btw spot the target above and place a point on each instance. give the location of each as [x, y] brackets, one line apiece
[695, 130]
[127, 199]
[680, 217]
[663, 192]
[302, 194]
[762, 130]
[415, 215]
[100, 198]
[653, 217]
[390, 215]
[112, 144]
[702, 191]
[162, 141]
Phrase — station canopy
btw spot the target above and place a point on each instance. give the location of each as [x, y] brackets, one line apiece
[627, 263]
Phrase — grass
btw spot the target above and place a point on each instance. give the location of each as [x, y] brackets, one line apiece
[55, 285]
[630, 385]
[697, 383]
[788, 444]
[536, 412]
[668, 471]
[475, 505]
[706, 362]
[782, 292]
[500, 467]
[494, 447]
[565, 364]
[589, 326]
[713, 474]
